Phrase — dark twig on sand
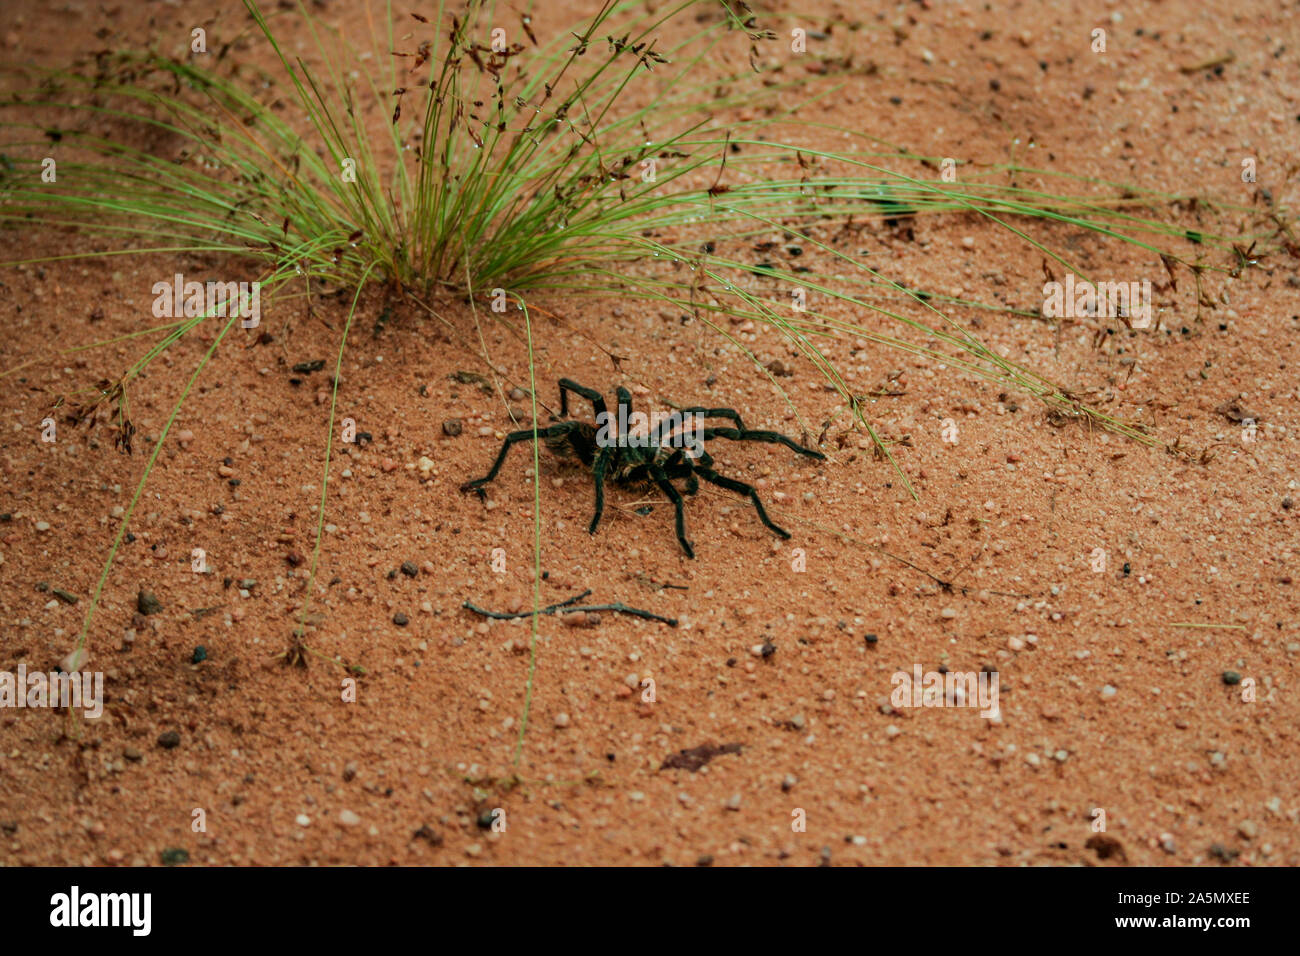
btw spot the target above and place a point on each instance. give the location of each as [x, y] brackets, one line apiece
[569, 605]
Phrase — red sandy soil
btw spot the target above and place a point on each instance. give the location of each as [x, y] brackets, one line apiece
[1199, 580]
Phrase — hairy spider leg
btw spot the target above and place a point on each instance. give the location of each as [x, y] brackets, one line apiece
[665, 429]
[661, 479]
[624, 401]
[729, 413]
[776, 438]
[597, 400]
[527, 434]
[731, 484]
[598, 476]
[676, 467]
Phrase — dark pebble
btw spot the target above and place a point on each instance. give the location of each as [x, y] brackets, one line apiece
[169, 740]
[1231, 677]
[147, 603]
[452, 427]
[427, 832]
[174, 855]
[400, 619]
[409, 569]
[1223, 853]
[200, 655]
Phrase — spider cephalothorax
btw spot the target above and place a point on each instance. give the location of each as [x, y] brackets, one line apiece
[673, 448]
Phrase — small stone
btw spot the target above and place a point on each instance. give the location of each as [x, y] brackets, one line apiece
[1108, 692]
[1231, 677]
[561, 720]
[74, 660]
[948, 613]
[428, 833]
[132, 754]
[1223, 853]
[788, 782]
[400, 619]
[1248, 829]
[42, 526]
[350, 770]
[452, 427]
[798, 722]
[302, 820]
[174, 856]
[410, 569]
[169, 740]
[733, 802]
[349, 819]
[200, 655]
[147, 603]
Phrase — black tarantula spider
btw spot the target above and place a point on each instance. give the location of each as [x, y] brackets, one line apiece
[613, 453]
